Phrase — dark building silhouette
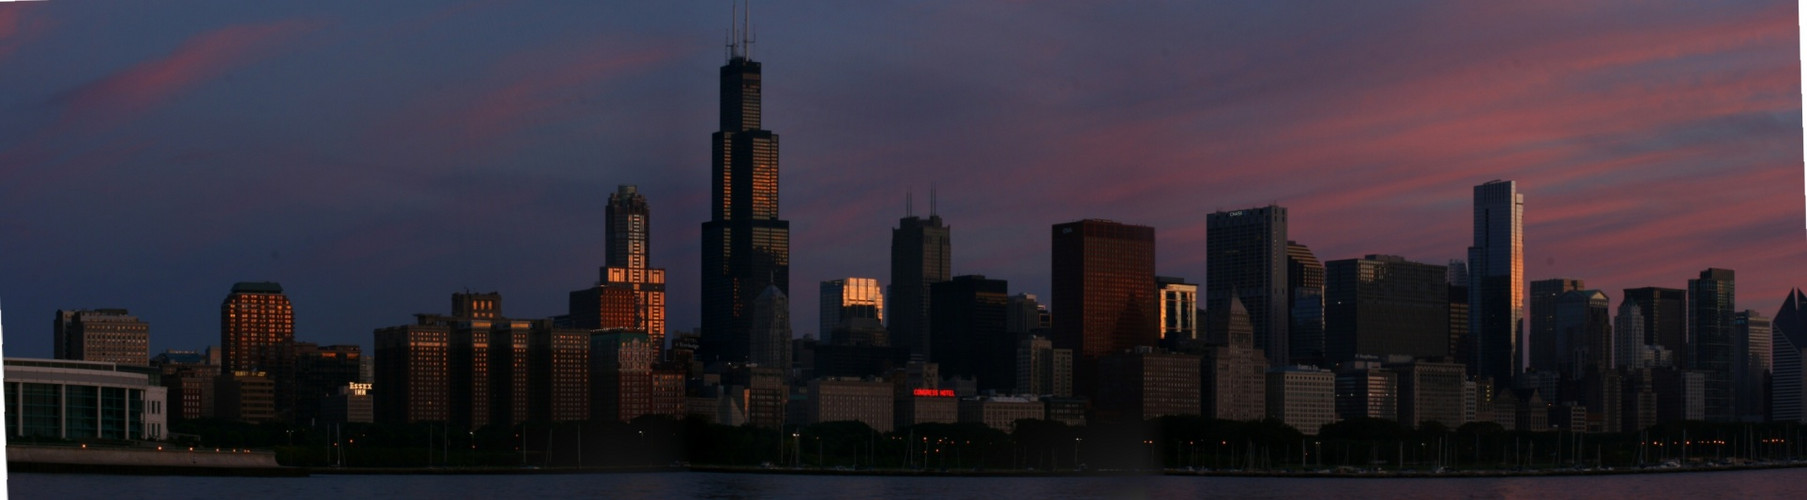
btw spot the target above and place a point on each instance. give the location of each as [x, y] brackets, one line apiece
[1582, 333]
[1751, 349]
[412, 380]
[1144, 382]
[1103, 294]
[107, 335]
[1711, 304]
[1305, 304]
[1246, 256]
[921, 256]
[257, 334]
[770, 337]
[746, 247]
[1383, 304]
[320, 371]
[968, 337]
[1543, 344]
[1665, 316]
[1496, 277]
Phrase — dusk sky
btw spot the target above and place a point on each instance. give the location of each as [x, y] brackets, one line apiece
[374, 157]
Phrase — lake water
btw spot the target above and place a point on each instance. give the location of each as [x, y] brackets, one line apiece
[1777, 483]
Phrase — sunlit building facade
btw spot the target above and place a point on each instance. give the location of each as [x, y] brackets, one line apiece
[848, 298]
[746, 247]
[1496, 277]
[1104, 300]
[1179, 309]
[257, 333]
[104, 335]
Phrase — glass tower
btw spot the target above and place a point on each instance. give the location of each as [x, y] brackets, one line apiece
[1496, 276]
[746, 247]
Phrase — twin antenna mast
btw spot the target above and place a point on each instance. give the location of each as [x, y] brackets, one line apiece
[910, 202]
[740, 31]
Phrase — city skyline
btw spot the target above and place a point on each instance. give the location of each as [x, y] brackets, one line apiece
[407, 233]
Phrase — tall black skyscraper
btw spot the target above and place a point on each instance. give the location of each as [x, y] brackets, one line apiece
[1496, 280]
[746, 247]
[1711, 304]
[920, 257]
[1246, 257]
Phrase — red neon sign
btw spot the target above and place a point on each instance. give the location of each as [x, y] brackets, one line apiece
[933, 393]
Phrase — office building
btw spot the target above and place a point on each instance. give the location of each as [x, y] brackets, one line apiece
[866, 401]
[1383, 305]
[1583, 333]
[1144, 383]
[1246, 258]
[1179, 310]
[245, 396]
[966, 331]
[621, 375]
[558, 373]
[1103, 299]
[320, 371]
[1542, 341]
[1365, 390]
[1751, 346]
[1026, 316]
[257, 334]
[770, 334]
[189, 378]
[1302, 397]
[412, 379]
[1305, 305]
[848, 298]
[746, 246]
[1628, 336]
[1233, 376]
[1496, 277]
[920, 257]
[1041, 369]
[1789, 333]
[1665, 319]
[1431, 391]
[1001, 412]
[104, 335]
[1711, 304]
[73, 400]
[349, 404]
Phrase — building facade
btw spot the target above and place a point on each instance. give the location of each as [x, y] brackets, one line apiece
[966, 330]
[1383, 305]
[1543, 345]
[921, 255]
[104, 335]
[1305, 304]
[82, 400]
[1711, 303]
[257, 334]
[848, 298]
[1246, 258]
[1303, 397]
[1496, 277]
[746, 246]
[1103, 298]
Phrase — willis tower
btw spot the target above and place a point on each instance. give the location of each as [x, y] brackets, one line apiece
[746, 247]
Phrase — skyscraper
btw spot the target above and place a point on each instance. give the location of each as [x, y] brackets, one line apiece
[1496, 277]
[849, 298]
[1628, 336]
[1304, 304]
[1382, 305]
[1789, 331]
[1179, 310]
[1245, 257]
[109, 335]
[257, 334]
[1104, 299]
[1583, 333]
[630, 294]
[920, 257]
[1541, 338]
[1751, 364]
[967, 331]
[770, 336]
[1665, 319]
[746, 247]
[1711, 303]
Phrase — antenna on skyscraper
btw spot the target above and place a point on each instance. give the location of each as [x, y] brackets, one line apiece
[746, 31]
[932, 199]
[733, 15]
[909, 204]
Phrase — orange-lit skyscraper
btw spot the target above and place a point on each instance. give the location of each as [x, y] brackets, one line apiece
[257, 334]
[630, 294]
[1496, 281]
[746, 247]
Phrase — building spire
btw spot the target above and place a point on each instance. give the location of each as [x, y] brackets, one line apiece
[909, 204]
[932, 200]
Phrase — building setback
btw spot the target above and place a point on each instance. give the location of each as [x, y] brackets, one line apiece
[104, 335]
[1246, 258]
[746, 247]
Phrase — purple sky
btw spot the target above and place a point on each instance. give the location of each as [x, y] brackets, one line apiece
[376, 157]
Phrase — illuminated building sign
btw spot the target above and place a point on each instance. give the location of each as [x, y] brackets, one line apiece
[934, 393]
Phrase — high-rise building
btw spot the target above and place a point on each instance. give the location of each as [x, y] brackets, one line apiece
[1461, 344]
[770, 336]
[1431, 391]
[1665, 319]
[1246, 258]
[1789, 387]
[1583, 333]
[1711, 304]
[257, 334]
[848, 298]
[1027, 316]
[621, 370]
[1382, 305]
[1496, 280]
[1365, 390]
[1628, 336]
[1305, 304]
[558, 373]
[320, 371]
[920, 257]
[1179, 309]
[1303, 397]
[630, 294]
[1041, 369]
[1541, 338]
[746, 247]
[1751, 364]
[1103, 301]
[966, 331]
[105, 335]
[1144, 383]
[412, 379]
[1233, 376]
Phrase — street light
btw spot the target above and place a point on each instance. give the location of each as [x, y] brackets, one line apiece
[1076, 452]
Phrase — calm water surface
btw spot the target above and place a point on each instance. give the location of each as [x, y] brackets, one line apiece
[1783, 483]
